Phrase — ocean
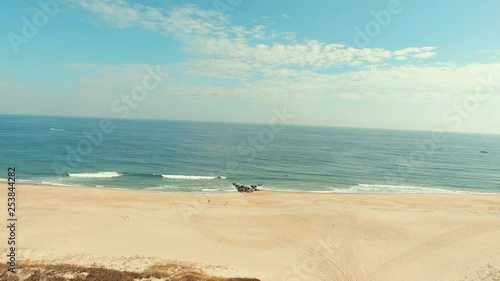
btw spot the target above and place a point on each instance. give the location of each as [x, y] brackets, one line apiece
[186, 156]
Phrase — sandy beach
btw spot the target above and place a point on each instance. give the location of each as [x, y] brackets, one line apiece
[267, 235]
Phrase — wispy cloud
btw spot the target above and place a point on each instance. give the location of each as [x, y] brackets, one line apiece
[491, 52]
[210, 33]
[442, 84]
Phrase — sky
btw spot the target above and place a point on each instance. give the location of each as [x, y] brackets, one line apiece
[415, 65]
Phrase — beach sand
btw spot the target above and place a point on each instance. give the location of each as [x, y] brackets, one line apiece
[266, 235]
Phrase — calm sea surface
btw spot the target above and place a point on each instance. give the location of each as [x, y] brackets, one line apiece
[195, 156]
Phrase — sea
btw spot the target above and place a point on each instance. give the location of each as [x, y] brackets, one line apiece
[183, 156]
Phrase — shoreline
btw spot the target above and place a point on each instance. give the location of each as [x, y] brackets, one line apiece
[262, 189]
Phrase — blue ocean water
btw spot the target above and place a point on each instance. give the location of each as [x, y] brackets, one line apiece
[198, 156]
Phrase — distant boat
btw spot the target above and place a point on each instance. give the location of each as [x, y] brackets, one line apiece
[483, 151]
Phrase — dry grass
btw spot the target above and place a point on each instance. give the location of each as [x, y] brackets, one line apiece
[65, 272]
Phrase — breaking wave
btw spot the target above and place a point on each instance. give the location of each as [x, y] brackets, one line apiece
[182, 177]
[383, 188]
[96, 175]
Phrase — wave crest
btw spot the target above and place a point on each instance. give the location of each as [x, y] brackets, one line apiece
[95, 175]
[183, 177]
[386, 188]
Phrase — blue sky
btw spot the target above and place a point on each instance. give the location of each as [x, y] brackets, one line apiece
[419, 65]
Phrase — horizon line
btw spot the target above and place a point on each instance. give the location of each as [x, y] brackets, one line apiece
[254, 123]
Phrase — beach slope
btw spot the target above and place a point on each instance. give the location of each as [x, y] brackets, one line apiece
[265, 235]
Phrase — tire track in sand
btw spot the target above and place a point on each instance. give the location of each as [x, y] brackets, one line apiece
[427, 247]
[346, 258]
[257, 237]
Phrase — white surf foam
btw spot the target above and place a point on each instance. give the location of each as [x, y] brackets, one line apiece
[17, 180]
[54, 129]
[183, 177]
[375, 188]
[383, 188]
[57, 183]
[209, 190]
[41, 181]
[95, 175]
[163, 187]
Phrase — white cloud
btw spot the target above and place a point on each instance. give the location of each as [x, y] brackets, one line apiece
[210, 33]
[490, 52]
[217, 68]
